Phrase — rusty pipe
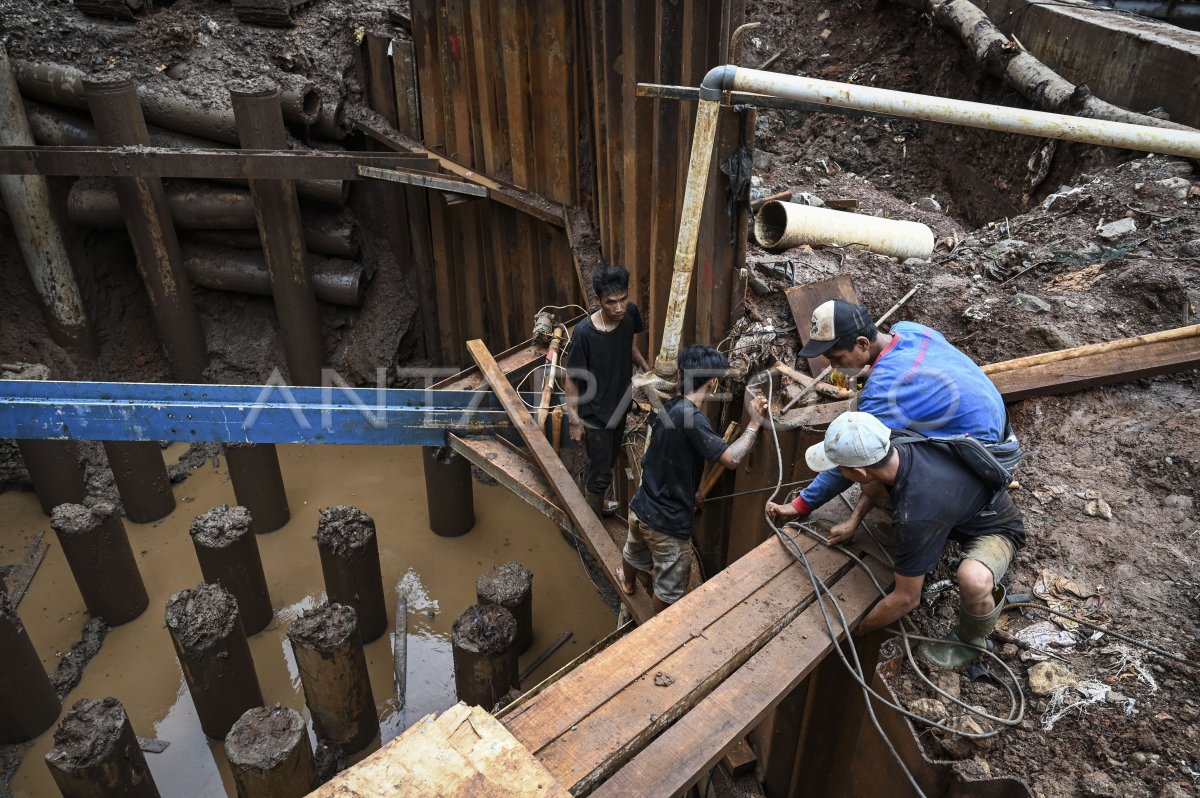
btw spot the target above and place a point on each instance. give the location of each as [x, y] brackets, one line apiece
[39, 236]
[52, 126]
[703, 138]
[196, 206]
[163, 103]
[331, 124]
[338, 282]
[256, 105]
[114, 105]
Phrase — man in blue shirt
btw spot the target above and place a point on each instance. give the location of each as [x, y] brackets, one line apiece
[916, 380]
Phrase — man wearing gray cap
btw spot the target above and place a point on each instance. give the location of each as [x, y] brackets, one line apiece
[935, 496]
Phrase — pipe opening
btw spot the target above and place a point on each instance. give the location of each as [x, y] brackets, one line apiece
[769, 224]
[310, 104]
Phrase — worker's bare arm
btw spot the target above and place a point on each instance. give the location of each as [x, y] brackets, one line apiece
[904, 598]
[638, 358]
[575, 422]
[844, 531]
[737, 451]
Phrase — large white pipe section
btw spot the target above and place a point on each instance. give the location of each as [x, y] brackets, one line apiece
[27, 199]
[1184, 143]
[782, 225]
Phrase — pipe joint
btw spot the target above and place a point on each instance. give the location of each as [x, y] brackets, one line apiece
[718, 79]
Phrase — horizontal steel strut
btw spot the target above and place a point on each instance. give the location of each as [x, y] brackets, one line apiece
[271, 413]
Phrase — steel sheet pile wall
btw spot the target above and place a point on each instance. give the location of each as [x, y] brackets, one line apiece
[541, 95]
[642, 150]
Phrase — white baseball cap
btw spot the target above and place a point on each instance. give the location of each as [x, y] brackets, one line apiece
[853, 440]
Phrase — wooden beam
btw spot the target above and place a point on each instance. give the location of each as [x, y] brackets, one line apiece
[463, 752]
[588, 526]
[525, 201]
[425, 181]
[204, 164]
[514, 471]
[680, 756]
[804, 299]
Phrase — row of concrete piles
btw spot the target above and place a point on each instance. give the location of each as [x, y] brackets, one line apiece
[209, 626]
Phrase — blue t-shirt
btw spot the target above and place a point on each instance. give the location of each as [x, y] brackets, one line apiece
[922, 382]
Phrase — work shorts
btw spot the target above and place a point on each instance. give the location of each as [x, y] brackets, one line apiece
[668, 559]
[994, 551]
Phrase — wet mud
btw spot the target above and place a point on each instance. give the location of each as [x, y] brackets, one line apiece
[70, 668]
[485, 629]
[202, 616]
[325, 628]
[137, 663]
[264, 737]
[344, 530]
[88, 733]
[221, 526]
[506, 584]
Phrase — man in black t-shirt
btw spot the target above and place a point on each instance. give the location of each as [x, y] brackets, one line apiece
[599, 377]
[934, 497]
[681, 441]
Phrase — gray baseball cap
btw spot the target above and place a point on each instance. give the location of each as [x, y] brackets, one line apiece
[853, 440]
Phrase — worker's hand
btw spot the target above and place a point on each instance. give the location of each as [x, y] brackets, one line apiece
[782, 512]
[759, 409]
[577, 431]
[841, 533]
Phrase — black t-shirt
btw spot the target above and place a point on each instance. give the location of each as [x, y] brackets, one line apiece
[936, 497]
[601, 364]
[681, 441]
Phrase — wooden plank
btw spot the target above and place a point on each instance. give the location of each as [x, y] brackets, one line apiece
[637, 134]
[445, 279]
[588, 526]
[552, 107]
[514, 471]
[429, 73]
[590, 686]
[512, 361]
[488, 63]
[1065, 376]
[740, 759]
[462, 752]
[804, 299]
[602, 155]
[680, 756]
[596, 746]
[454, 116]
[423, 180]
[585, 251]
[404, 78]
[513, 39]
[519, 199]
[381, 89]
[421, 244]
[472, 272]
[1089, 371]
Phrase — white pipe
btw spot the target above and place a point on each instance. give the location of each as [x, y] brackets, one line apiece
[1184, 143]
[781, 225]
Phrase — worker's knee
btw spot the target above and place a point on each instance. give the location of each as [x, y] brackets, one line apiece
[974, 580]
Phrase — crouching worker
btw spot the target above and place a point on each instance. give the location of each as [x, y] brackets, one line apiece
[681, 441]
[935, 496]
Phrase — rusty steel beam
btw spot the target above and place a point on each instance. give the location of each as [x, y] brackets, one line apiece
[259, 115]
[276, 163]
[118, 116]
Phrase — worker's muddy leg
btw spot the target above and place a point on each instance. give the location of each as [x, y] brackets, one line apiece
[228, 555]
[485, 660]
[511, 586]
[350, 565]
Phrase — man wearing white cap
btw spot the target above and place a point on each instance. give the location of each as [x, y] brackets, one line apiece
[916, 380]
[935, 496]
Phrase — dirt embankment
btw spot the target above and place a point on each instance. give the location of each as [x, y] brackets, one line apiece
[1042, 246]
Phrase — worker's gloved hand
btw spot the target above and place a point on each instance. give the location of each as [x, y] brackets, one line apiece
[577, 431]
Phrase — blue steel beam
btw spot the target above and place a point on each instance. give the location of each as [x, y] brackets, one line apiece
[273, 413]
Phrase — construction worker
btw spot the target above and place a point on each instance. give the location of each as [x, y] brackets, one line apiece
[600, 365]
[916, 380]
[681, 441]
[935, 496]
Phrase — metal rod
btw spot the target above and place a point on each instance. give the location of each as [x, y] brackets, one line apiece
[532, 667]
[118, 117]
[260, 124]
[903, 301]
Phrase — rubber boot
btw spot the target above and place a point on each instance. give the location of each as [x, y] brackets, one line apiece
[972, 630]
[596, 502]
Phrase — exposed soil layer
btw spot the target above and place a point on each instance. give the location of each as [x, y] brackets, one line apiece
[88, 733]
[344, 530]
[264, 737]
[325, 628]
[484, 629]
[506, 584]
[202, 616]
[1028, 260]
[221, 526]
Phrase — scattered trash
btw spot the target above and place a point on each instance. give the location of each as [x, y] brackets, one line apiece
[1044, 635]
[1066, 596]
[1046, 678]
[1057, 708]
[662, 679]
[1128, 662]
[1114, 230]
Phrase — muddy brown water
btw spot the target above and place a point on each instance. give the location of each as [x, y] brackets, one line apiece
[137, 665]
